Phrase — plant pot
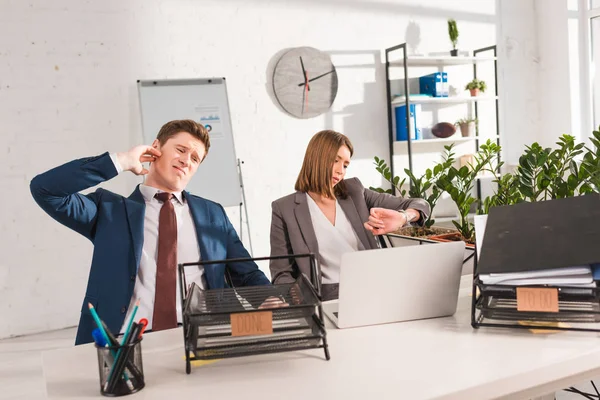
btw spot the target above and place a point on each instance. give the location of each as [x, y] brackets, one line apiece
[467, 129]
[422, 232]
[474, 92]
[454, 52]
[450, 237]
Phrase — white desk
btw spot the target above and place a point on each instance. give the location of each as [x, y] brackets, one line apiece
[440, 358]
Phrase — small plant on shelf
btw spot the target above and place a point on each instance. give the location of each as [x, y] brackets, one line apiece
[453, 34]
[476, 86]
[467, 126]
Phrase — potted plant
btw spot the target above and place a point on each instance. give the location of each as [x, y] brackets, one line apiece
[589, 172]
[467, 126]
[453, 33]
[476, 86]
[422, 187]
[459, 183]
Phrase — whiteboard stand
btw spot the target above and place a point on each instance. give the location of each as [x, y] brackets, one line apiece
[243, 202]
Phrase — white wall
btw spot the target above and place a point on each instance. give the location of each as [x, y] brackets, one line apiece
[554, 73]
[67, 89]
[519, 84]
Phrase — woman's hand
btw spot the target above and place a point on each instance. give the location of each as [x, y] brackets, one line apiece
[382, 221]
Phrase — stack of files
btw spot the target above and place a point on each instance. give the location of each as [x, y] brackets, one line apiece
[568, 276]
[551, 242]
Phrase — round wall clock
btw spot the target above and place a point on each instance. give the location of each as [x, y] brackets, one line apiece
[305, 82]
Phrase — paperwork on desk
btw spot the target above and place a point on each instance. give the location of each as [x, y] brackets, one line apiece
[568, 276]
[574, 276]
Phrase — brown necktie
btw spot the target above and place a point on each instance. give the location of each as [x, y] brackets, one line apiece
[165, 310]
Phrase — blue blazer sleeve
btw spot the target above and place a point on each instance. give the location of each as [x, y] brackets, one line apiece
[56, 192]
[244, 273]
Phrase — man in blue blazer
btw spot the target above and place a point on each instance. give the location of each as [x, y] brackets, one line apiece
[138, 240]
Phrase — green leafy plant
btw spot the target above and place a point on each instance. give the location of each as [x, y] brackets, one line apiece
[384, 170]
[589, 172]
[466, 121]
[507, 191]
[545, 174]
[422, 187]
[453, 32]
[560, 163]
[459, 183]
[542, 174]
[476, 84]
[532, 180]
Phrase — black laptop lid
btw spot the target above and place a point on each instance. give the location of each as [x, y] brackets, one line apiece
[541, 235]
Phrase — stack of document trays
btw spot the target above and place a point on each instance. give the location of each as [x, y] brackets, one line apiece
[233, 322]
[538, 265]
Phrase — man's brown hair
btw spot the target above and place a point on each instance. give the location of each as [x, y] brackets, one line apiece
[316, 172]
[195, 129]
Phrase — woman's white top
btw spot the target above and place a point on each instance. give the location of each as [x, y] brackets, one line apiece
[334, 240]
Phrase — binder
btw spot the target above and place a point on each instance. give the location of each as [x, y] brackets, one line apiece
[542, 235]
[445, 85]
[431, 84]
[401, 123]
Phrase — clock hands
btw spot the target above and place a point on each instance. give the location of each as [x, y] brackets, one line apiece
[315, 78]
[304, 98]
[307, 87]
[304, 74]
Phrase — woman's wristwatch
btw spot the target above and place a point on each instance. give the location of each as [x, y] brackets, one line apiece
[406, 215]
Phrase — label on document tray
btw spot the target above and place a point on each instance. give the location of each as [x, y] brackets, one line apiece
[252, 323]
[537, 299]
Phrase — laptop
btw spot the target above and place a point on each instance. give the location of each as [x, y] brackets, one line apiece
[397, 284]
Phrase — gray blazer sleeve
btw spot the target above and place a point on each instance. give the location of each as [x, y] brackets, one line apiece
[384, 200]
[281, 269]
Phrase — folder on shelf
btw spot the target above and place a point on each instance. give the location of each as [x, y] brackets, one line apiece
[402, 125]
[431, 84]
[445, 85]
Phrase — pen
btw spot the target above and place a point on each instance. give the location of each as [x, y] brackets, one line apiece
[98, 322]
[135, 308]
[143, 323]
[125, 351]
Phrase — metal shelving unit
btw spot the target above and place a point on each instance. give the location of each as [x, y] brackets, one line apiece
[479, 56]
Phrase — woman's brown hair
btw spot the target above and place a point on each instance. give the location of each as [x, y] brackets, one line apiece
[316, 172]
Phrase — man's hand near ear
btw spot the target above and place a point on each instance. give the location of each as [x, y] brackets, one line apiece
[132, 160]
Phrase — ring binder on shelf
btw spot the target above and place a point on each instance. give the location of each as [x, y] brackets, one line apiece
[230, 322]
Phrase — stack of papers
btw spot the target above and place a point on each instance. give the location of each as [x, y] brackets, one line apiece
[580, 276]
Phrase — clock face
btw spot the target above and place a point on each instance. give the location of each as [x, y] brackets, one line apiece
[305, 82]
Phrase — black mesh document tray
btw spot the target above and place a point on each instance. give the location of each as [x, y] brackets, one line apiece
[496, 305]
[207, 317]
[529, 237]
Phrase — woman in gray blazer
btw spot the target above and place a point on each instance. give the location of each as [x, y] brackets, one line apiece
[329, 216]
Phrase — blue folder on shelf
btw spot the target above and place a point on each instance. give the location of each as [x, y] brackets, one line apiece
[432, 84]
[402, 124]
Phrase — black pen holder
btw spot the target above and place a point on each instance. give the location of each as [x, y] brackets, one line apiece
[121, 370]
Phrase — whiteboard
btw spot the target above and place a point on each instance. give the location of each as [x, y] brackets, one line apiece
[205, 101]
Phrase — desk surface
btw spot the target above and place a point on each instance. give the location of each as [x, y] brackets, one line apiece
[442, 358]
